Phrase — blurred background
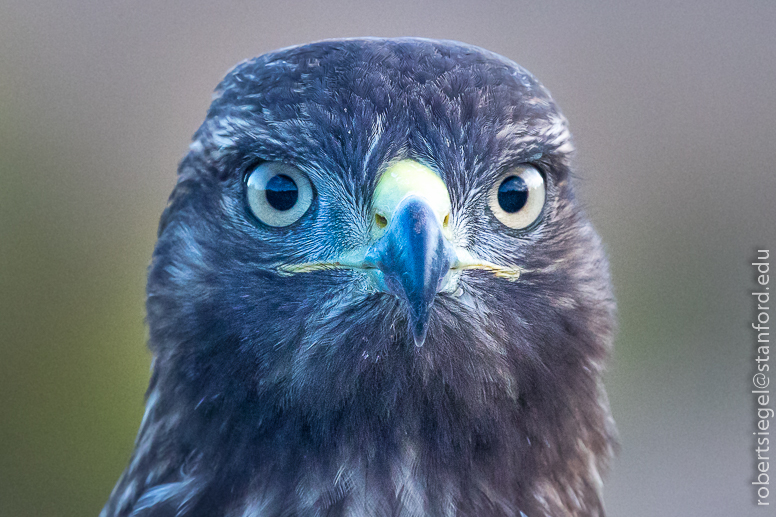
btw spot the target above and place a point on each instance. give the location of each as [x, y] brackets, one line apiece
[673, 107]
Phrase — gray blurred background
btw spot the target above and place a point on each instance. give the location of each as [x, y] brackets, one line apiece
[673, 106]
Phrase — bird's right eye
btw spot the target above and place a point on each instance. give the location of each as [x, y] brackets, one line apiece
[278, 194]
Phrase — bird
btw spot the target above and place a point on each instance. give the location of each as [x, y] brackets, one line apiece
[375, 293]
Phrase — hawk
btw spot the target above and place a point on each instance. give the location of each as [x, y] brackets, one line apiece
[374, 293]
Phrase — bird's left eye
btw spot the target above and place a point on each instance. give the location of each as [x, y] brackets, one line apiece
[278, 194]
[517, 197]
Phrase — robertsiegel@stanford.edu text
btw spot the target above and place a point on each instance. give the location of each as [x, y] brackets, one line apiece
[761, 379]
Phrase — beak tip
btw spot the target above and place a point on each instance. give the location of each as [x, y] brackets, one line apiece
[418, 324]
[419, 336]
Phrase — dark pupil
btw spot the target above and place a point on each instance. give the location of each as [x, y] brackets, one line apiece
[281, 192]
[512, 194]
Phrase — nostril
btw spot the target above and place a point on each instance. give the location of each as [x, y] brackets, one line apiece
[381, 221]
[446, 221]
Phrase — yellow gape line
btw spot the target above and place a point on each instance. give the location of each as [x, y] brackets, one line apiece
[505, 272]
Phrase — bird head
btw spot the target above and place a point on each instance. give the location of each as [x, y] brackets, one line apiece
[374, 238]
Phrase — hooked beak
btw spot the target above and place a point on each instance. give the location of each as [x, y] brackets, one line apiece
[411, 208]
[414, 257]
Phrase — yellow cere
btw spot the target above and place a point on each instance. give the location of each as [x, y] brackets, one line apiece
[408, 177]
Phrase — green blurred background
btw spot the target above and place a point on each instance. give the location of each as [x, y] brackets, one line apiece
[673, 106]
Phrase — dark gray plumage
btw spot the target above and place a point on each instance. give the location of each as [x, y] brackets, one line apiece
[279, 390]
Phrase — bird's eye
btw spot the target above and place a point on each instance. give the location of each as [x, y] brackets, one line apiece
[517, 197]
[278, 194]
